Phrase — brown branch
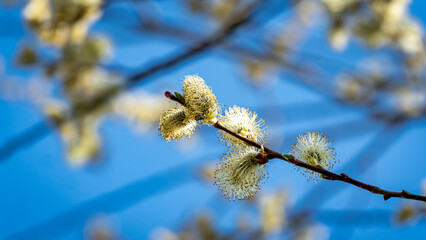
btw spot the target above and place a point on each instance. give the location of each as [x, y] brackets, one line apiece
[325, 173]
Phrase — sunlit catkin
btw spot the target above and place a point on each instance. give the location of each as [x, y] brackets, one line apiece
[201, 103]
[175, 124]
[243, 122]
[239, 174]
[314, 149]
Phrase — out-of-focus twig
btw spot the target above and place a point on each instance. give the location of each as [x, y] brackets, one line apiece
[306, 74]
[241, 18]
[29, 136]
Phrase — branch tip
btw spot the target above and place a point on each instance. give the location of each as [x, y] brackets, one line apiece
[168, 95]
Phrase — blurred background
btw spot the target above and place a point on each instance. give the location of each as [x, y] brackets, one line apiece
[81, 88]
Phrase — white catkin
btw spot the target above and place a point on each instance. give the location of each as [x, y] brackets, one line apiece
[239, 175]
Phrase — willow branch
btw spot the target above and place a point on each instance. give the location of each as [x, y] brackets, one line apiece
[271, 154]
[268, 154]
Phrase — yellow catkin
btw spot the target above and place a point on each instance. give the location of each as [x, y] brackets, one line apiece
[201, 103]
[175, 124]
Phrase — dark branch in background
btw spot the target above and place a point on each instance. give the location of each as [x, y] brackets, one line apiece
[25, 139]
[305, 73]
[235, 50]
[40, 129]
[269, 154]
[241, 18]
[151, 25]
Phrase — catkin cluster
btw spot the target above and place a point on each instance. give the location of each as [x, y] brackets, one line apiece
[240, 172]
[200, 105]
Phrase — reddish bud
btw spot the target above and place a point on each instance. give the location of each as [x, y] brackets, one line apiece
[262, 158]
[168, 95]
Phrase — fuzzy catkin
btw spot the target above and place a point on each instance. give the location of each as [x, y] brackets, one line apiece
[201, 103]
[239, 175]
[244, 122]
[175, 124]
[314, 149]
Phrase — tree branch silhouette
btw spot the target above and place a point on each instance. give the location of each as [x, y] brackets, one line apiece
[33, 135]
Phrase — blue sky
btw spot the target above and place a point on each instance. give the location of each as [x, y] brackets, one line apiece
[145, 183]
